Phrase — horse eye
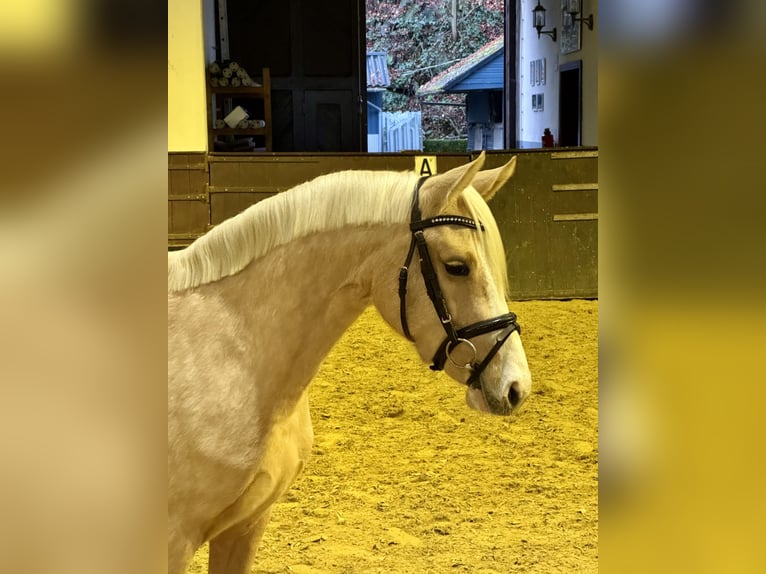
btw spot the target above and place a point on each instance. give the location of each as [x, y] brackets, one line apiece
[457, 268]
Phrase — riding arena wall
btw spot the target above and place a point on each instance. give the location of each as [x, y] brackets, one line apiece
[548, 213]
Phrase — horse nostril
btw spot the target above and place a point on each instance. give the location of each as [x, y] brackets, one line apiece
[514, 394]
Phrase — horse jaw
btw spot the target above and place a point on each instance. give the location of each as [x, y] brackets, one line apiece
[474, 398]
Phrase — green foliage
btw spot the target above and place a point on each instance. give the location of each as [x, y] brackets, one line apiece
[446, 146]
[418, 37]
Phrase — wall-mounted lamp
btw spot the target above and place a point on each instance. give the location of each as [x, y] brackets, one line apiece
[538, 14]
[573, 7]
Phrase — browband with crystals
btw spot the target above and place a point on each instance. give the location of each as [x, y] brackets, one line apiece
[445, 220]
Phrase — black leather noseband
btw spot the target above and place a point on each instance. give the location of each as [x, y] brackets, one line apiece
[506, 323]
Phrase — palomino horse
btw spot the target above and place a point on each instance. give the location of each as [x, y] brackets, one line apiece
[255, 305]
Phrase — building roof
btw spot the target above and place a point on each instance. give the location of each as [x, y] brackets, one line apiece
[378, 77]
[452, 76]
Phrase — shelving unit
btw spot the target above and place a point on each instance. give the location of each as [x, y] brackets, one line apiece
[217, 97]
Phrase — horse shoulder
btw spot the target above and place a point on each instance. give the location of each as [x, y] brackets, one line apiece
[286, 450]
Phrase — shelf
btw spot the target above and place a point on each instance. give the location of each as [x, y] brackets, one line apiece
[238, 91]
[220, 100]
[238, 131]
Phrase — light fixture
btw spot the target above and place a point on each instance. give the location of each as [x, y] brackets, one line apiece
[573, 7]
[538, 14]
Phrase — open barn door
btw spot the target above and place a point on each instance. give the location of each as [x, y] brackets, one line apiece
[315, 51]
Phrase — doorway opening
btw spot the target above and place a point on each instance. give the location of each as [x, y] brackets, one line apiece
[570, 104]
[433, 70]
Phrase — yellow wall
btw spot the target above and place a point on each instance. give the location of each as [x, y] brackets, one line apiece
[187, 114]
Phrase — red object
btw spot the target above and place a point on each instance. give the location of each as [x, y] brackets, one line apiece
[547, 138]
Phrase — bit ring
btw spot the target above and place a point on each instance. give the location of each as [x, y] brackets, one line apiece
[450, 348]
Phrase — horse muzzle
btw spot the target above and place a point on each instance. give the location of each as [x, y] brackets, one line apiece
[502, 396]
[508, 393]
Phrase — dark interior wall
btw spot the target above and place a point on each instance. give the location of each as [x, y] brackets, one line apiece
[510, 105]
[485, 106]
[570, 104]
[327, 25]
[315, 51]
[260, 35]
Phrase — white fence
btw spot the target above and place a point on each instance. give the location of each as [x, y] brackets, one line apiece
[400, 131]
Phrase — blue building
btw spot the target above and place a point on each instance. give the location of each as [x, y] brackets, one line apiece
[480, 77]
[378, 79]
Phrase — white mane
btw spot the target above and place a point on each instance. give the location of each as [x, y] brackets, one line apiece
[328, 202]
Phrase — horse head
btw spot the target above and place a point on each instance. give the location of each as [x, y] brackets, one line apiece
[453, 288]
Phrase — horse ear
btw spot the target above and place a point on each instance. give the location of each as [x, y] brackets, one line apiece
[441, 188]
[489, 181]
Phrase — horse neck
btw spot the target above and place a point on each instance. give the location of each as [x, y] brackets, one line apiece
[299, 299]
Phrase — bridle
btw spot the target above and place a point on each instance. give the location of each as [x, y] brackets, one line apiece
[506, 323]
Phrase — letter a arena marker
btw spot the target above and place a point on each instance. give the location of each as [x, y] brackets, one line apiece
[425, 165]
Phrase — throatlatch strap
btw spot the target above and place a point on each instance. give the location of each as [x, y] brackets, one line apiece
[403, 273]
